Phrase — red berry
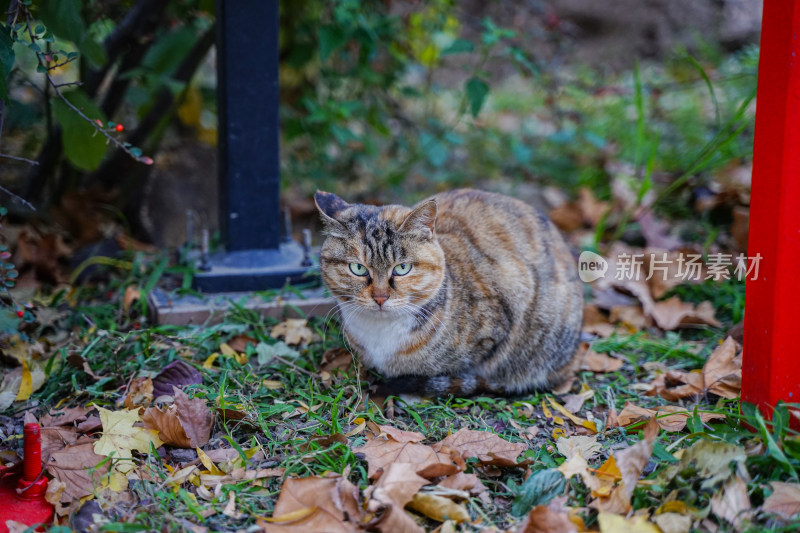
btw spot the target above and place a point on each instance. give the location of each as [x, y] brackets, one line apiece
[119, 127]
[136, 325]
[20, 313]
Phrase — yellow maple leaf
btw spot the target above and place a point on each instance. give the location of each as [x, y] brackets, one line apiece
[120, 436]
[613, 523]
[114, 480]
[26, 385]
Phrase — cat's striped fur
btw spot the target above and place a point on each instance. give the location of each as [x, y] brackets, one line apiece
[492, 302]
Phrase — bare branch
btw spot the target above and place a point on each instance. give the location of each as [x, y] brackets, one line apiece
[17, 158]
[59, 85]
[58, 65]
[40, 57]
[20, 199]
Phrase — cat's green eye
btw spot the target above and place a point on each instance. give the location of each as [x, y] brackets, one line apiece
[402, 269]
[358, 269]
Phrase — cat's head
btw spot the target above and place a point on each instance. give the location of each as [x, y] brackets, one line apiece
[383, 259]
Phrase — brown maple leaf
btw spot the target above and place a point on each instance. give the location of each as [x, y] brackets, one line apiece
[487, 447]
[314, 504]
[382, 452]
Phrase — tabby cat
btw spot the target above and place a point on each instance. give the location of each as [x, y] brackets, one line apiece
[467, 292]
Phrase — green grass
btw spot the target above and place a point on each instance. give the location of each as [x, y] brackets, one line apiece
[297, 440]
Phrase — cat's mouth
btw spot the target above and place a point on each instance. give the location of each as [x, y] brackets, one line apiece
[389, 308]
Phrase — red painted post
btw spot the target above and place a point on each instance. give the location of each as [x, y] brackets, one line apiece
[771, 365]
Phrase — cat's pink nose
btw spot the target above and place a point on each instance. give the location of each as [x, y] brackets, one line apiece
[380, 298]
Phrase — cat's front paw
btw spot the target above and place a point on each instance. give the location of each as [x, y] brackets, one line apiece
[397, 387]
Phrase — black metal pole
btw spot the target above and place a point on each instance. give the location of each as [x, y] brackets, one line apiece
[248, 96]
[257, 256]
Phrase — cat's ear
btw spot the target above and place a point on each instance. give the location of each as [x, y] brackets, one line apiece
[329, 206]
[421, 220]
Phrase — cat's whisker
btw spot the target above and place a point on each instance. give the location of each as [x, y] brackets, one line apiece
[416, 311]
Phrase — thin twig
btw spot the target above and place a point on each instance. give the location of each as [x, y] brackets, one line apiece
[17, 158]
[93, 121]
[20, 199]
[67, 84]
[58, 65]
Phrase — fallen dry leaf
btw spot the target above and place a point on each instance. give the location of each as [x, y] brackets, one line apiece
[656, 233]
[9, 387]
[596, 323]
[438, 508]
[669, 417]
[732, 503]
[398, 483]
[673, 522]
[381, 452]
[44, 253]
[240, 343]
[592, 210]
[580, 422]
[399, 435]
[711, 459]
[195, 417]
[599, 362]
[631, 316]
[53, 495]
[240, 474]
[722, 373]
[462, 481]
[672, 313]
[336, 359]
[90, 425]
[120, 437]
[132, 294]
[176, 374]
[140, 393]
[542, 519]
[631, 462]
[295, 331]
[566, 216]
[574, 402]
[583, 445]
[230, 507]
[614, 523]
[314, 504]
[77, 467]
[784, 500]
[667, 273]
[56, 439]
[487, 447]
[393, 491]
[741, 226]
[576, 465]
[64, 416]
[677, 384]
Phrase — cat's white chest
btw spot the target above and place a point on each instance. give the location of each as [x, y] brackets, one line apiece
[381, 336]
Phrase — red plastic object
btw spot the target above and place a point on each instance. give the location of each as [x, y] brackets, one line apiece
[22, 499]
[771, 367]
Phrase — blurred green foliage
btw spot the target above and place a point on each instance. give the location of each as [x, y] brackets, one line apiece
[385, 100]
[368, 108]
